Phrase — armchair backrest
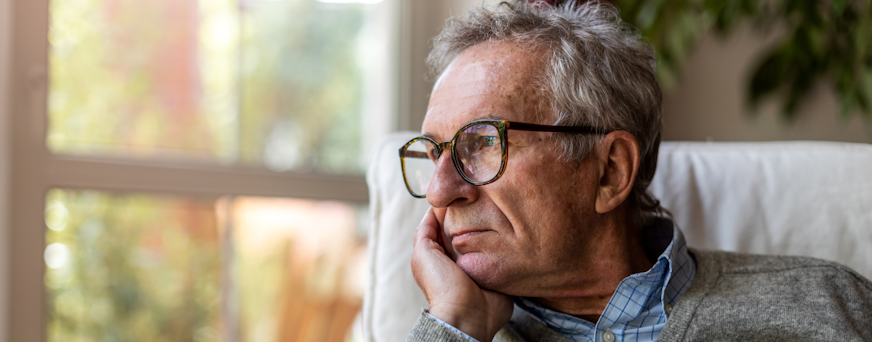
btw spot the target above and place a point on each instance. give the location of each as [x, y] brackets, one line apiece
[793, 198]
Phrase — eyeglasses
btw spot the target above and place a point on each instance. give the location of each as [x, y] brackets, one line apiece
[479, 151]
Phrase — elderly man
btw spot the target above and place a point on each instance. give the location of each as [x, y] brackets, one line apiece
[538, 146]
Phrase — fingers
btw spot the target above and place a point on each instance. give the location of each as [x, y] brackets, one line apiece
[427, 265]
[428, 229]
[453, 296]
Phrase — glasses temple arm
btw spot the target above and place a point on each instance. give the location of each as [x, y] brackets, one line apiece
[548, 128]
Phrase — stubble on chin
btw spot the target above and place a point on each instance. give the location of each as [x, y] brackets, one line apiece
[486, 270]
[485, 266]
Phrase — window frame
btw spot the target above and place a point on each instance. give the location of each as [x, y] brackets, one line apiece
[33, 170]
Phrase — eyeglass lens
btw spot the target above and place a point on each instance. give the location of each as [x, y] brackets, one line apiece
[418, 167]
[479, 157]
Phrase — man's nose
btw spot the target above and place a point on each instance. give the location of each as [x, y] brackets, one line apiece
[447, 186]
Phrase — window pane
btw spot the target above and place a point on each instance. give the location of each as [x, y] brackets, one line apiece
[144, 78]
[315, 81]
[131, 268]
[141, 267]
[292, 85]
[301, 268]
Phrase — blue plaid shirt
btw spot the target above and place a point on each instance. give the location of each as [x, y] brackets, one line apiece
[642, 302]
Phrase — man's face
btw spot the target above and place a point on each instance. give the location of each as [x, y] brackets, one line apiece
[528, 231]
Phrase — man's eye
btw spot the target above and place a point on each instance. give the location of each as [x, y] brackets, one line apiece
[482, 141]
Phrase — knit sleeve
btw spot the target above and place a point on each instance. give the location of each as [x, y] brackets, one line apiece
[429, 328]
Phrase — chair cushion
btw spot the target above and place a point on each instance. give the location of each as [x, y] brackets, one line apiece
[788, 198]
[795, 198]
[392, 301]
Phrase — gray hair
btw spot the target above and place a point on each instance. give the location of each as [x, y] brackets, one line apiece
[598, 73]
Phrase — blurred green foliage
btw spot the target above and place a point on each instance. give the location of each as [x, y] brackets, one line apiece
[261, 278]
[274, 83]
[828, 41]
[301, 85]
[138, 268]
[119, 86]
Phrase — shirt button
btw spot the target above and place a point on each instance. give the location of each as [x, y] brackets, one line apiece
[668, 309]
[608, 336]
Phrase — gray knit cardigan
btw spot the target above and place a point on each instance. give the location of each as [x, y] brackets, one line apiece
[737, 297]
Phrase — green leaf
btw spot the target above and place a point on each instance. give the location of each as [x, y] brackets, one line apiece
[765, 78]
[864, 92]
[647, 15]
[826, 40]
[862, 34]
[838, 7]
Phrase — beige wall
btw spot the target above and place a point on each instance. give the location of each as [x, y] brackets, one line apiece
[709, 103]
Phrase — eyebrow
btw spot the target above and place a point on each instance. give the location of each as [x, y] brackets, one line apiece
[490, 116]
[494, 117]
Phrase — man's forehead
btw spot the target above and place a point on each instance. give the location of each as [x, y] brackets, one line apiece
[493, 62]
[488, 80]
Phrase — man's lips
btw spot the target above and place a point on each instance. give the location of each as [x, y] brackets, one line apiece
[462, 237]
[467, 231]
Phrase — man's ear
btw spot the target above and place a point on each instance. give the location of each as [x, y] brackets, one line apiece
[618, 159]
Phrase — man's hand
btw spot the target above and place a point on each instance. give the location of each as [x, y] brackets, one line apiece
[453, 296]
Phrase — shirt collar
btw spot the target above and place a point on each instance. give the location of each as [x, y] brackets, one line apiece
[682, 268]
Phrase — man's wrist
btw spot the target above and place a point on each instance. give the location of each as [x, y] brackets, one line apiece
[472, 324]
[451, 327]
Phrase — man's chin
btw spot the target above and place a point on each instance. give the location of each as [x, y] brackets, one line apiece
[485, 270]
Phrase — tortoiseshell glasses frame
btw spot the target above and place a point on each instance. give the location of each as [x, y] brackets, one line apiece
[502, 127]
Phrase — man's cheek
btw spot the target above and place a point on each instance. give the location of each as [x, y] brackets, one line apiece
[440, 215]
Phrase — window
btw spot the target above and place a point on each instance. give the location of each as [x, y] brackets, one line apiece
[144, 267]
[179, 166]
[300, 85]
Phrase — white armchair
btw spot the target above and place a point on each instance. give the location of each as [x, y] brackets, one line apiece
[793, 198]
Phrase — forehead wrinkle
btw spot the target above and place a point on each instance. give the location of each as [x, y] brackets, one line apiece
[482, 74]
[519, 78]
[498, 72]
